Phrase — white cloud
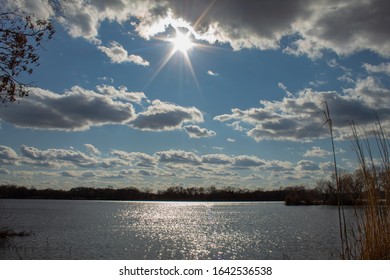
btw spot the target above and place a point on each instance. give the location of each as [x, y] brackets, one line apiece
[300, 117]
[7, 155]
[195, 131]
[308, 165]
[106, 79]
[311, 26]
[136, 158]
[121, 93]
[381, 68]
[217, 159]
[245, 161]
[113, 163]
[92, 149]
[50, 157]
[212, 73]
[75, 110]
[62, 165]
[350, 27]
[317, 83]
[4, 171]
[118, 54]
[87, 174]
[316, 151]
[231, 140]
[327, 167]
[371, 93]
[160, 116]
[285, 89]
[278, 166]
[82, 21]
[179, 156]
[342, 26]
[70, 173]
[38, 8]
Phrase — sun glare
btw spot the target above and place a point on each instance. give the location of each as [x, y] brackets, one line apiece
[182, 42]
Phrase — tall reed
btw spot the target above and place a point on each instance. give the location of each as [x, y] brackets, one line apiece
[368, 237]
[345, 250]
[372, 232]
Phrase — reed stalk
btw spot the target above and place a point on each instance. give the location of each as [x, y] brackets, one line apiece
[372, 233]
[368, 236]
[345, 250]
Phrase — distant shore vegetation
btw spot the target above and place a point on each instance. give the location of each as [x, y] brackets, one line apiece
[325, 193]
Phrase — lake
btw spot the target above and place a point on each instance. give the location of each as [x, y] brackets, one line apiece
[168, 230]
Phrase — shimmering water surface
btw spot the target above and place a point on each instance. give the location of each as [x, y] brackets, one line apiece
[168, 230]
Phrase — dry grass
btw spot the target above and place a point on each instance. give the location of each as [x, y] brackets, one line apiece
[371, 236]
[368, 237]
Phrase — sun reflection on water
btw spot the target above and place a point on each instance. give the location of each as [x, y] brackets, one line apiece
[189, 230]
[173, 230]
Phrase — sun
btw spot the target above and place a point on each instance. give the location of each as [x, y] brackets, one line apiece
[182, 42]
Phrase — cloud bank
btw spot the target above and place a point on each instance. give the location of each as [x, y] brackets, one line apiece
[75, 110]
[310, 26]
[80, 109]
[300, 117]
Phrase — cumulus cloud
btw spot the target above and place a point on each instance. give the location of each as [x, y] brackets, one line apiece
[145, 160]
[63, 164]
[58, 156]
[316, 151]
[92, 149]
[217, 159]
[347, 27]
[179, 156]
[327, 167]
[75, 110]
[278, 166]
[113, 163]
[121, 93]
[136, 158]
[308, 165]
[245, 161]
[195, 131]
[70, 173]
[4, 171]
[293, 118]
[118, 54]
[87, 174]
[300, 117]
[160, 116]
[40, 9]
[383, 68]
[82, 21]
[7, 155]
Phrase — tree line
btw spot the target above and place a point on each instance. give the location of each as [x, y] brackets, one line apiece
[325, 192]
[174, 193]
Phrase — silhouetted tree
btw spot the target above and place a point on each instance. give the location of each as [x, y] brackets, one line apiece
[20, 36]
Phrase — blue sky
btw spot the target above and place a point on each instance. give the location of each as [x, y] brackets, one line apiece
[115, 101]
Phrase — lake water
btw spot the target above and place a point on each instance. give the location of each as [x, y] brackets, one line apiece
[168, 230]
